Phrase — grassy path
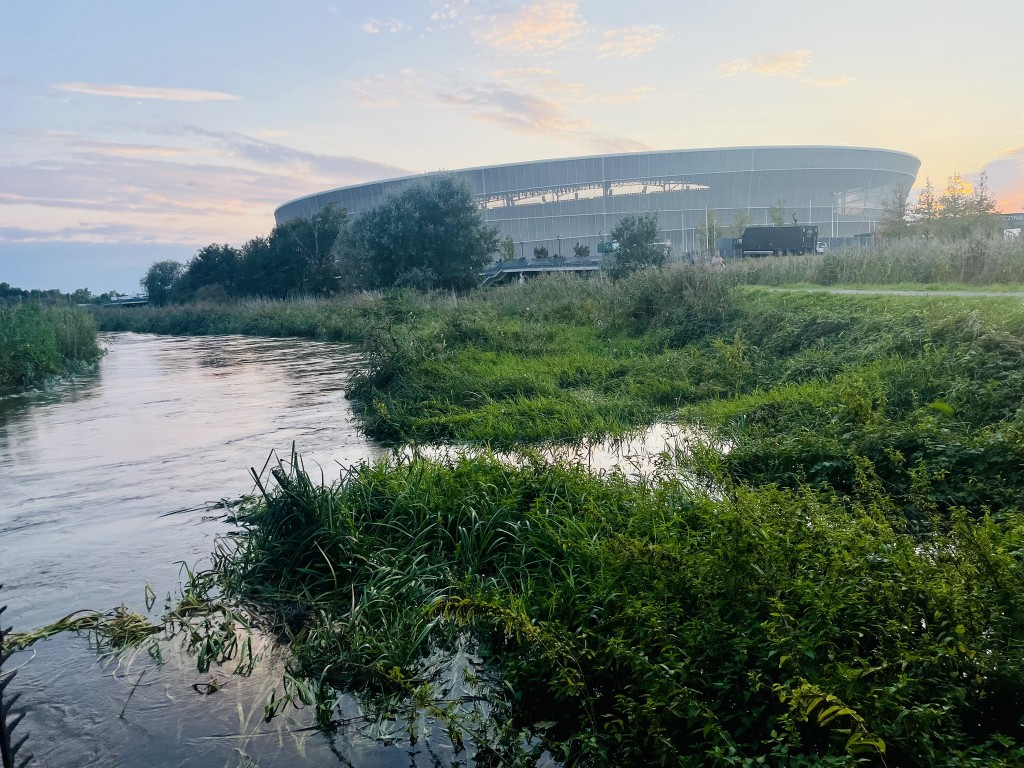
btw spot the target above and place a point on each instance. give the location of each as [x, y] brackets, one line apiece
[902, 292]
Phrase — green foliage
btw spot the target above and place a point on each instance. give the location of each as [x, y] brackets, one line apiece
[159, 281]
[581, 251]
[639, 244]
[958, 212]
[895, 214]
[40, 342]
[429, 225]
[646, 623]
[299, 258]
[777, 213]
[849, 592]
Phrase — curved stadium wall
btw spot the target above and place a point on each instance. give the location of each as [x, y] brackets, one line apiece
[558, 203]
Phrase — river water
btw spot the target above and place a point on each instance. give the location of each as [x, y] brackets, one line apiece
[94, 474]
[103, 482]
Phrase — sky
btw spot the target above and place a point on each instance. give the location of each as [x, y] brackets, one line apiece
[133, 132]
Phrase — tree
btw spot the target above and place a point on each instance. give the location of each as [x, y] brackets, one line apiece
[429, 225]
[581, 251]
[982, 203]
[741, 219]
[508, 249]
[925, 212]
[306, 254]
[211, 274]
[895, 212]
[540, 252]
[261, 272]
[159, 281]
[708, 232]
[777, 213]
[639, 246]
[954, 202]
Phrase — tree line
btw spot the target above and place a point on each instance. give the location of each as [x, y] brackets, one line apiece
[10, 294]
[428, 235]
[959, 211]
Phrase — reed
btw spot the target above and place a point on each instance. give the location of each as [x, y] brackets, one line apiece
[40, 342]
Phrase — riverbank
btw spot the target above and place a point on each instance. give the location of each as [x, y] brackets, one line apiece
[38, 343]
[639, 623]
[851, 591]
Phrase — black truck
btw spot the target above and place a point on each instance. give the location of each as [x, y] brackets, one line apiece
[772, 241]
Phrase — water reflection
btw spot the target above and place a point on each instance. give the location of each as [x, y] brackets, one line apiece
[88, 471]
[657, 450]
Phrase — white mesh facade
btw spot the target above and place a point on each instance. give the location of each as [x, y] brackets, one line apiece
[558, 203]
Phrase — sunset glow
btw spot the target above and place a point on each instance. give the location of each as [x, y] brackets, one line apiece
[151, 130]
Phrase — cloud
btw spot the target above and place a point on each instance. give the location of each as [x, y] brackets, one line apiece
[545, 82]
[449, 11]
[528, 100]
[837, 81]
[785, 64]
[628, 42]
[200, 186]
[385, 91]
[139, 92]
[632, 96]
[1006, 179]
[548, 25]
[374, 26]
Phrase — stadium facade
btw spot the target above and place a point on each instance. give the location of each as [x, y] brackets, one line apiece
[696, 193]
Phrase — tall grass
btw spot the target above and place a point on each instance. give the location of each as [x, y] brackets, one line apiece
[978, 262]
[38, 342]
[644, 623]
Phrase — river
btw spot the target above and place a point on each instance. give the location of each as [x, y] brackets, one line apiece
[104, 481]
[94, 475]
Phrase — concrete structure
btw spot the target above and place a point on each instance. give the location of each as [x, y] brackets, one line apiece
[558, 203]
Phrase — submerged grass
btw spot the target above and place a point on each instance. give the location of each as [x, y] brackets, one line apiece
[852, 595]
[644, 623]
[40, 342]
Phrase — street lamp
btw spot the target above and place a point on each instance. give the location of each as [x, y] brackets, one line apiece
[522, 249]
[834, 220]
[559, 239]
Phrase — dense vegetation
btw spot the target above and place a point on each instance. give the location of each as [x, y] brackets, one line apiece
[38, 342]
[844, 584]
[959, 211]
[648, 623]
[10, 294]
[429, 234]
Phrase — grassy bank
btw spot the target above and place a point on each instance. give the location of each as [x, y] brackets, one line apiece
[38, 343]
[644, 623]
[853, 594]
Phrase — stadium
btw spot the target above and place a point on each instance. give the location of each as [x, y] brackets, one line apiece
[696, 193]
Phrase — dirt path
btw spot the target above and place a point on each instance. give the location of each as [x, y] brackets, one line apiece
[896, 292]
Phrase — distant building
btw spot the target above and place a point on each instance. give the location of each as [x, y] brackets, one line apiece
[558, 203]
